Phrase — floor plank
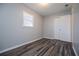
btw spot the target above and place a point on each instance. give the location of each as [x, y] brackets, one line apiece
[43, 47]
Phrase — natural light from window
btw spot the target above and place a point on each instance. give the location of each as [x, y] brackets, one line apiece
[27, 19]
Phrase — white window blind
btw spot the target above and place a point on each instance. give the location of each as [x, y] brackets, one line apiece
[27, 19]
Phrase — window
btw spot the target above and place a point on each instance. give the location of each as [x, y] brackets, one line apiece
[27, 19]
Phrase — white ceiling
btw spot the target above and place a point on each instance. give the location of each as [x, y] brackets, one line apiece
[50, 9]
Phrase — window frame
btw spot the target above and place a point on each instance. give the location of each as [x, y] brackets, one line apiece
[28, 19]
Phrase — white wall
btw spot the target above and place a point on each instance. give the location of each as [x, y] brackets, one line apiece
[48, 30]
[62, 28]
[75, 17]
[12, 32]
[49, 25]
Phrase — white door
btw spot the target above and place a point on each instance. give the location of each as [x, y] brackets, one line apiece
[62, 28]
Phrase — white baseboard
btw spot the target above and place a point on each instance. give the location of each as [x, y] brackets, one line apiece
[49, 37]
[56, 38]
[75, 51]
[8, 49]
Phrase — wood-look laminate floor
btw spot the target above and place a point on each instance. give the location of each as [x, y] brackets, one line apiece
[43, 47]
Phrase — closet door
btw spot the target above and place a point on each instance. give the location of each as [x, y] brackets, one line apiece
[62, 28]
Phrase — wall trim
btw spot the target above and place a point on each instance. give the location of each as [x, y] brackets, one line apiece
[56, 38]
[75, 51]
[19, 45]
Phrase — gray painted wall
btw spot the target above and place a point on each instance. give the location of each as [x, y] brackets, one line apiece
[49, 26]
[75, 15]
[12, 32]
